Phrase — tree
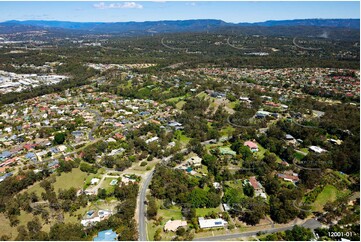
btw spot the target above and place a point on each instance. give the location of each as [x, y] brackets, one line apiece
[181, 231]
[252, 210]
[59, 138]
[62, 231]
[157, 235]
[152, 208]
[198, 198]
[23, 234]
[34, 226]
[298, 233]
[102, 193]
[248, 190]
[232, 196]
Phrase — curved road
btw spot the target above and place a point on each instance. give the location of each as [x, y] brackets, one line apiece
[303, 48]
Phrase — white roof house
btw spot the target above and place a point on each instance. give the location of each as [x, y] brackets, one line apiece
[62, 148]
[173, 225]
[211, 223]
[86, 222]
[216, 185]
[94, 181]
[317, 149]
[195, 161]
[151, 140]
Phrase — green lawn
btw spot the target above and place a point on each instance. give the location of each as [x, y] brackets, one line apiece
[88, 179]
[202, 94]
[305, 150]
[237, 184]
[298, 156]
[24, 218]
[6, 229]
[202, 169]
[173, 212]
[75, 178]
[260, 153]
[227, 131]
[35, 188]
[180, 104]
[151, 228]
[201, 212]
[232, 105]
[182, 138]
[106, 185]
[176, 99]
[328, 194]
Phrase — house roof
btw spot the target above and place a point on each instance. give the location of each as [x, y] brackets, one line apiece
[173, 225]
[251, 145]
[254, 182]
[288, 136]
[211, 223]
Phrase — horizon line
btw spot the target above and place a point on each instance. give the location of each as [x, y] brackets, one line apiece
[48, 20]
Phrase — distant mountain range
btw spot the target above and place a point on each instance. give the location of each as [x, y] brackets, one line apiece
[175, 26]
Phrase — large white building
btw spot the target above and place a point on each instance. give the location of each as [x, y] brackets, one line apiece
[211, 223]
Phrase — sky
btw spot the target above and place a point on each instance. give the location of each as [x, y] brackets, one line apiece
[123, 11]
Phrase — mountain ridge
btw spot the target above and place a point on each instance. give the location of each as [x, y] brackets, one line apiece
[343, 23]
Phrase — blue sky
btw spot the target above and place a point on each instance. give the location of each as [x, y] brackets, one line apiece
[122, 11]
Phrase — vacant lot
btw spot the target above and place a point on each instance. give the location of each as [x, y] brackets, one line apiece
[328, 194]
[75, 178]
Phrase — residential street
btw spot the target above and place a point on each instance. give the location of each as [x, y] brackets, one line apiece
[142, 211]
[311, 223]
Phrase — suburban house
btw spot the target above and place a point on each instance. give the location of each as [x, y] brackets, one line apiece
[253, 146]
[173, 225]
[316, 149]
[211, 223]
[5, 155]
[262, 114]
[289, 176]
[258, 188]
[290, 139]
[245, 99]
[194, 161]
[94, 217]
[151, 140]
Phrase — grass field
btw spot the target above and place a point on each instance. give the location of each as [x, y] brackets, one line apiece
[6, 229]
[237, 184]
[106, 185]
[173, 212]
[180, 104]
[201, 212]
[305, 150]
[227, 131]
[202, 94]
[75, 178]
[328, 194]
[260, 153]
[24, 218]
[183, 138]
[298, 156]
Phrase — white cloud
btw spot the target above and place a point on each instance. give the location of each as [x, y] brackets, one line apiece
[102, 5]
